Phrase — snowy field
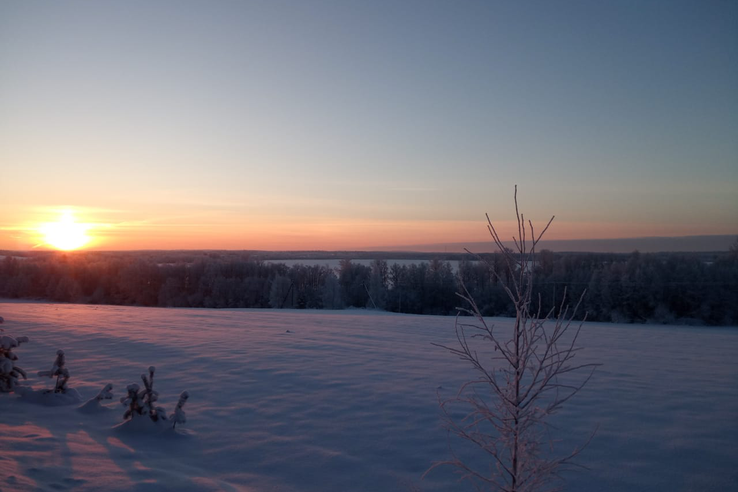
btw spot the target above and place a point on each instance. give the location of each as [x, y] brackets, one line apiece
[344, 401]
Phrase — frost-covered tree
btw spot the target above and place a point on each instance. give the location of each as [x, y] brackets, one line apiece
[523, 376]
[67, 290]
[60, 371]
[280, 293]
[354, 279]
[378, 281]
[733, 250]
[331, 294]
[9, 370]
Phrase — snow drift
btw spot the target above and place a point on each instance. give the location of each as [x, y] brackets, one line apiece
[321, 401]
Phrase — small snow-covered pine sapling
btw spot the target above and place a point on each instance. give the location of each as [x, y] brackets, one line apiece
[9, 371]
[149, 397]
[143, 401]
[60, 371]
[179, 416]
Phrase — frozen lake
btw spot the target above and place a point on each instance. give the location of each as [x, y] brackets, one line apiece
[345, 400]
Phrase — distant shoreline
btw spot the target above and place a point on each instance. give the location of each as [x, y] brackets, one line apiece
[646, 244]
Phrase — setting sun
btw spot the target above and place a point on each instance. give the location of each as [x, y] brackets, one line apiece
[65, 234]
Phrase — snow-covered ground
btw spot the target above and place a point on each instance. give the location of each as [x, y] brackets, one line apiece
[344, 401]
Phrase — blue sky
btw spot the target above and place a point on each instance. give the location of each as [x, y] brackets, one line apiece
[328, 125]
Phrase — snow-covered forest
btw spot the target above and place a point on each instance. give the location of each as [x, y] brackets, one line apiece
[344, 400]
[670, 288]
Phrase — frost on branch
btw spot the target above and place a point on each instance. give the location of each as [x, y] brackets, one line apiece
[60, 371]
[179, 416]
[9, 371]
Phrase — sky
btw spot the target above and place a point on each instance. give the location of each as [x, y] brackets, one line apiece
[365, 124]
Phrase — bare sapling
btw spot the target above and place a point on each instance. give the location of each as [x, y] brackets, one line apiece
[523, 376]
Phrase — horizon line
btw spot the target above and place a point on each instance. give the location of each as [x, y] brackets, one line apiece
[646, 244]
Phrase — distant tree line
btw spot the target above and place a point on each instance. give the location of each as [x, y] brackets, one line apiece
[640, 288]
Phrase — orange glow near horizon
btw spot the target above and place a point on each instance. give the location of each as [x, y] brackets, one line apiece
[70, 228]
[65, 234]
[337, 235]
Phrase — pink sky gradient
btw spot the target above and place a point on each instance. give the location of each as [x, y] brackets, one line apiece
[349, 126]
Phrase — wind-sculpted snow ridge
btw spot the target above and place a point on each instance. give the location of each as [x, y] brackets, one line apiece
[96, 404]
[317, 401]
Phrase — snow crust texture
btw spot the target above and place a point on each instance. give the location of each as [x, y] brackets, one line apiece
[343, 401]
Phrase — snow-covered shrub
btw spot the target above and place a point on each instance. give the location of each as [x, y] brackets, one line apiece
[143, 401]
[60, 371]
[9, 371]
